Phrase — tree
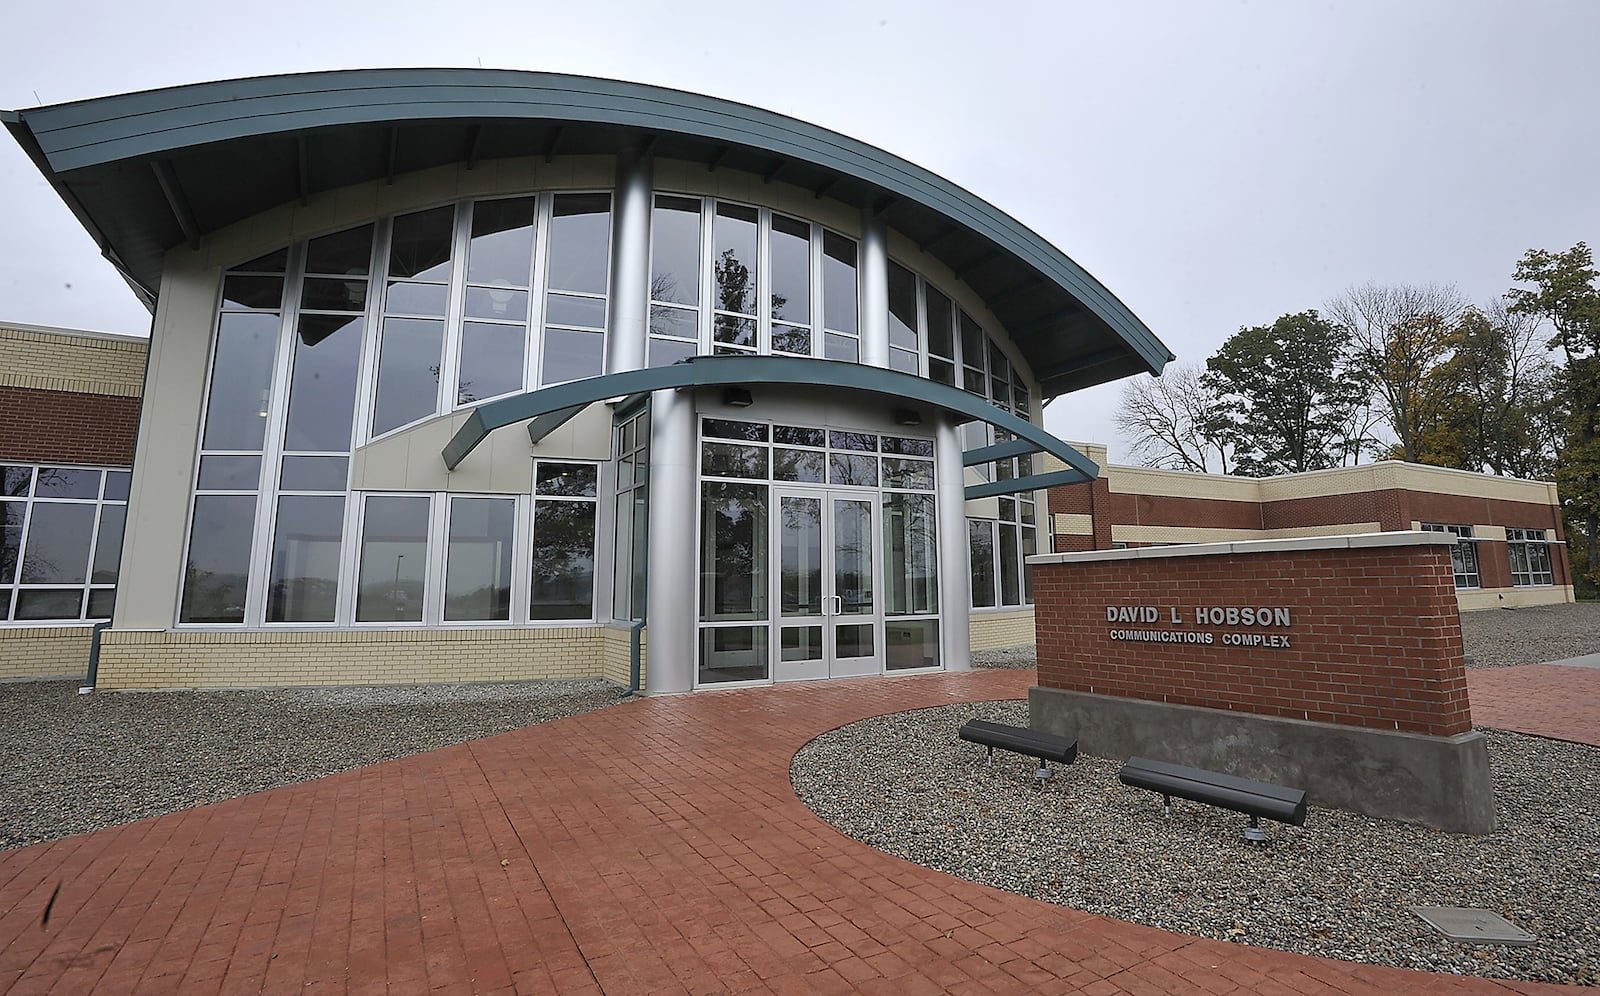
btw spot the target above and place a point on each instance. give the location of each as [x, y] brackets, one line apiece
[1566, 295]
[1286, 394]
[1175, 421]
[1398, 335]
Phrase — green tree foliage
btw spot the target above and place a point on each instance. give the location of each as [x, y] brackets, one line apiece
[1289, 401]
[1566, 297]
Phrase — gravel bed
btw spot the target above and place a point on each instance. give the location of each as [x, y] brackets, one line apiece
[1006, 657]
[72, 763]
[1337, 887]
[1507, 637]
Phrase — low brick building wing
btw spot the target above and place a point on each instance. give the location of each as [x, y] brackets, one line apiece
[69, 413]
[1510, 550]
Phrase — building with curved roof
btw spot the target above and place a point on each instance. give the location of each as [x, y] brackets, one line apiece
[469, 374]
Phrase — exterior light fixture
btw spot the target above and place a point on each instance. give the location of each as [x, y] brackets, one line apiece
[737, 397]
[907, 416]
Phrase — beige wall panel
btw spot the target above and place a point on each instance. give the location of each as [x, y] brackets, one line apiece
[1187, 534]
[618, 663]
[502, 464]
[1073, 524]
[993, 630]
[1514, 598]
[44, 651]
[48, 359]
[163, 465]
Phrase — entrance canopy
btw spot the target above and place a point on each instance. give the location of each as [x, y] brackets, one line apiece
[547, 409]
[148, 172]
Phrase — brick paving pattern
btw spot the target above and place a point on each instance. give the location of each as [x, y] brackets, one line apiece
[656, 847]
[1560, 701]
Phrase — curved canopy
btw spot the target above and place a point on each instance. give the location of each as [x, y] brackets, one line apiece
[146, 172]
[547, 408]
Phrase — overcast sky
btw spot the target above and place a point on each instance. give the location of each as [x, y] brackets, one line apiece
[1214, 164]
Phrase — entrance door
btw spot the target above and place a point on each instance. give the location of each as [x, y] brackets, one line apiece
[829, 619]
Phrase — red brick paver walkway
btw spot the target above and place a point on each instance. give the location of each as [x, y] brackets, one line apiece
[656, 847]
[1560, 701]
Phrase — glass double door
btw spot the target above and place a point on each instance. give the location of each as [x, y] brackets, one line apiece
[829, 617]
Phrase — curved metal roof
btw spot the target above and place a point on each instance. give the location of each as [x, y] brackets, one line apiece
[145, 172]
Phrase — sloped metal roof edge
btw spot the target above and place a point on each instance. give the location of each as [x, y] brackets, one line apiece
[156, 122]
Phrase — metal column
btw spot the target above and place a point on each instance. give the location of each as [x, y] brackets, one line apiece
[630, 263]
[674, 561]
[955, 573]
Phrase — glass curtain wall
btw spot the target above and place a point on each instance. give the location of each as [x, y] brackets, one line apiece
[60, 542]
[632, 516]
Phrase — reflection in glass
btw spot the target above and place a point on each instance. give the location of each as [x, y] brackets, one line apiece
[64, 482]
[802, 643]
[910, 554]
[903, 360]
[1030, 546]
[902, 307]
[914, 474]
[502, 242]
[838, 283]
[734, 258]
[801, 466]
[680, 323]
[972, 342]
[11, 515]
[853, 469]
[497, 304]
[303, 473]
[572, 355]
[408, 372]
[477, 583]
[665, 352]
[627, 590]
[573, 480]
[347, 252]
[734, 460]
[394, 559]
[491, 361]
[322, 389]
[1010, 566]
[853, 641]
[229, 473]
[733, 555]
[908, 446]
[910, 643]
[101, 601]
[15, 481]
[58, 544]
[569, 309]
[273, 262]
[728, 330]
[800, 557]
[427, 300]
[50, 604]
[675, 250]
[218, 565]
[799, 435]
[732, 653]
[862, 441]
[241, 377]
[980, 545]
[304, 586]
[563, 560]
[727, 428]
[252, 293]
[333, 294]
[419, 246]
[852, 555]
[941, 334]
[580, 242]
[840, 347]
[108, 544]
[791, 270]
[791, 339]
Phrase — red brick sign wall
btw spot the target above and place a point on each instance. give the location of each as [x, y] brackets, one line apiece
[1364, 637]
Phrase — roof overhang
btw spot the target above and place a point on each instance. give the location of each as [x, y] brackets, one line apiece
[548, 408]
[146, 172]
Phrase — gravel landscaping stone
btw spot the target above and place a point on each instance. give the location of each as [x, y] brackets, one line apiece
[1507, 637]
[1337, 887]
[73, 763]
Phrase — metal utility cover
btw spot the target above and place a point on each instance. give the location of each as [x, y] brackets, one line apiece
[1473, 926]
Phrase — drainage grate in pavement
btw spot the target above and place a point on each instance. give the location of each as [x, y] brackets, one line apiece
[1473, 926]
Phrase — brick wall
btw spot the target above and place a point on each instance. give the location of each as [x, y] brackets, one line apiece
[1375, 636]
[64, 427]
[44, 651]
[994, 630]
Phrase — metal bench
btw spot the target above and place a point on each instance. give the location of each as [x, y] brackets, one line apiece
[1242, 795]
[1046, 747]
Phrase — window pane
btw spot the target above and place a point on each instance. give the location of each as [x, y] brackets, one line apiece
[420, 245]
[734, 266]
[1030, 546]
[101, 601]
[272, 262]
[791, 270]
[734, 460]
[838, 283]
[15, 481]
[839, 347]
[567, 309]
[865, 442]
[252, 293]
[805, 466]
[563, 560]
[665, 352]
[347, 252]
[304, 586]
[491, 361]
[394, 559]
[941, 336]
[322, 392]
[219, 559]
[477, 583]
[903, 360]
[675, 250]
[577, 480]
[911, 643]
[314, 473]
[851, 468]
[732, 653]
[910, 554]
[942, 372]
[680, 323]
[1010, 566]
[852, 556]
[229, 473]
[972, 342]
[580, 242]
[853, 641]
[908, 446]
[731, 331]
[733, 559]
[408, 372]
[38, 605]
[502, 242]
[334, 294]
[799, 435]
[788, 339]
[902, 307]
[241, 378]
[727, 428]
[64, 482]
[58, 544]
[11, 516]
[428, 300]
[497, 303]
[108, 544]
[915, 474]
[572, 355]
[980, 541]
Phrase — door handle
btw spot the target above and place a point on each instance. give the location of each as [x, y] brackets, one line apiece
[838, 605]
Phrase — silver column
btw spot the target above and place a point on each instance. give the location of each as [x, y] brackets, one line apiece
[674, 563]
[630, 263]
[874, 290]
[955, 573]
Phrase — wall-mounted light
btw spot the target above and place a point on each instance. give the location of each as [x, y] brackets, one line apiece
[907, 416]
[737, 397]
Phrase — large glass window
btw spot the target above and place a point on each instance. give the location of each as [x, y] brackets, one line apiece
[735, 271]
[903, 352]
[674, 280]
[1463, 556]
[60, 541]
[415, 302]
[477, 585]
[304, 584]
[1529, 550]
[980, 543]
[565, 500]
[327, 349]
[839, 302]
[394, 559]
[632, 516]
[575, 299]
[790, 247]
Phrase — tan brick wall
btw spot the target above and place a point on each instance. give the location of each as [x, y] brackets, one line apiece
[61, 360]
[144, 659]
[994, 630]
[44, 651]
[618, 665]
